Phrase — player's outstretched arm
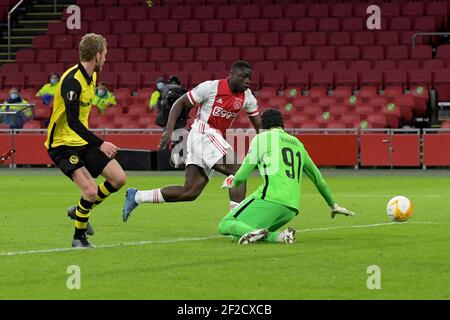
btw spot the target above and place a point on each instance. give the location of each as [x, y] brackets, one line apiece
[256, 122]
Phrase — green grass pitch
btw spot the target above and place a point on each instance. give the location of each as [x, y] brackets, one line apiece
[173, 251]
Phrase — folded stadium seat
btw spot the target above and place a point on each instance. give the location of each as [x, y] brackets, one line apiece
[366, 93]
[297, 78]
[41, 42]
[236, 26]
[136, 13]
[324, 53]
[159, 55]
[42, 112]
[109, 78]
[36, 80]
[253, 53]
[225, 39]
[324, 119]
[400, 24]
[130, 41]
[246, 39]
[279, 102]
[392, 92]
[211, 66]
[342, 93]
[136, 55]
[169, 67]
[337, 65]
[176, 40]
[144, 66]
[200, 76]
[311, 66]
[112, 40]
[14, 80]
[422, 77]
[272, 11]
[439, 11]
[421, 52]
[190, 26]
[360, 65]
[338, 109]
[393, 115]
[371, 78]
[295, 10]
[32, 124]
[28, 68]
[277, 53]
[207, 54]
[316, 39]
[327, 102]
[313, 110]
[382, 65]
[152, 41]
[341, 10]
[258, 25]
[266, 93]
[377, 120]
[373, 53]
[286, 65]
[397, 53]
[268, 39]
[57, 68]
[364, 38]
[12, 67]
[26, 55]
[378, 101]
[443, 52]
[364, 110]
[425, 24]
[299, 102]
[213, 26]
[203, 12]
[329, 24]
[406, 65]
[114, 13]
[181, 12]
[148, 27]
[44, 56]
[406, 105]
[292, 93]
[322, 79]
[114, 55]
[62, 42]
[167, 26]
[352, 24]
[390, 9]
[348, 53]
[305, 25]
[57, 28]
[282, 25]
[159, 13]
[387, 38]
[442, 84]
[318, 10]
[350, 118]
[262, 66]
[249, 11]
[197, 40]
[316, 93]
[93, 14]
[106, 2]
[292, 39]
[182, 54]
[229, 54]
[347, 78]
[273, 79]
[339, 38]
[433, 64]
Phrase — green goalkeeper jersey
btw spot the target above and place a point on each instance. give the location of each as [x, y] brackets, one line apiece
[281, 159]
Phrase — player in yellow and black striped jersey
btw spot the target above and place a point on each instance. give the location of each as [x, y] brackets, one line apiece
[79, 153]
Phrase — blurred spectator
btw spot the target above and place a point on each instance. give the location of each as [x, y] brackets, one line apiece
[155, 98]
[47, 92]
[171, 93]
[16, 121]
[103, 98]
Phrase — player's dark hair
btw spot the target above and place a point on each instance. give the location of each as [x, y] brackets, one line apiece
[271, 118]
[240, 64]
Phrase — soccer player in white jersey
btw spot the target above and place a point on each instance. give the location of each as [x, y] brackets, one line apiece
[219, 103]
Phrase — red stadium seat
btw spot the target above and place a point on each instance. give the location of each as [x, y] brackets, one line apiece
[245, 39]
[268, 39]
[443, 52]
[383, 65]
[318, 10]
[297, 10]
[322, 79]
[213, 26]
[57, 68]
[336, 65]
[395, 77]
[348, 53]
[25, 56]
[63, 42]
[425, 24]
[266, 93]
[433, 64]
[347, 78]
[181, 12]
[41, 42]
[272, 11]
[273, 79]
[352, 24]
[282, 25]
[367, 93]
[316, 39]
[406, 65]
[152, 41]
[163, 55]
[229, 54]
[122, 27]
[146, 27]
[30, 68]
[277, 53]
[420, 78]
[339, 39]
[169, 67]
[13, 67]
[109, 79]
[329, 24]
[130, 41]
[360, 65]
[390, 9]
[167, 26]
[401, 24]
[421, 52]
[264, 66]
[442, 84]
[387, 38]
[46, 55]
[287, 65]
[397, 53]
[297, 79]
[305, 25]
[136, 13]
[324, 53]
[116, 55]
[198, 40]
[292, 39]
[373, 53]
[114, 13]
[56, 28]
[236, 26]
[313, 65]
[258, 25]
[253, 53]
[203, 12]
[206, 54]
[14, 80]
[364, 38]
[176, 40]
[249, 11]
[129, 80]
[200, 76]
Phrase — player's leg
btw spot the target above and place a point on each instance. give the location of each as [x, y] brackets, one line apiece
[83, 179]
[115, 179]
[195, 181]
[237, 195]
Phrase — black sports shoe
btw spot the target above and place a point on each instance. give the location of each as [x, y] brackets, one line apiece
[72, 215]
[81, 242]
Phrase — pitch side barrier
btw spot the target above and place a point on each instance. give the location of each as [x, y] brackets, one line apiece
[356, 148]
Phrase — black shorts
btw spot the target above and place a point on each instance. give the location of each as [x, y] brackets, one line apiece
[69, 159]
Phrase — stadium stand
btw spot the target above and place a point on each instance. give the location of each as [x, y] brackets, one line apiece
[323, 50]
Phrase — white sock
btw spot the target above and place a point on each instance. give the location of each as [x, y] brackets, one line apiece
[233, 205]
[149, 196]
[280, 237]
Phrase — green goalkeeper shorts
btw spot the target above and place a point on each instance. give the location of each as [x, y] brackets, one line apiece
[262, 214]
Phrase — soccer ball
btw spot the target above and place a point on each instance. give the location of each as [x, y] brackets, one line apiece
[400, 209]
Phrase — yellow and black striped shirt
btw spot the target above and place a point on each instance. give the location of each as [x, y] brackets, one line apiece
[71, 106]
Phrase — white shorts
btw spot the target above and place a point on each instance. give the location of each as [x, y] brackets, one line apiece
[206, 149]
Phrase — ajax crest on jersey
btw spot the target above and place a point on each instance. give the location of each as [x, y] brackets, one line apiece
[400, 209]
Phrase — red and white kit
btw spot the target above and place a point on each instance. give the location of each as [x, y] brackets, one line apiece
[206, 144]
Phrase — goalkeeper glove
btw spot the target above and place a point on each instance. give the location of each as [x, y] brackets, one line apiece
[336, 209]
[228, 183]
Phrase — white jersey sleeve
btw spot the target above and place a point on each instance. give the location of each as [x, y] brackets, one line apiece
[202, 92]
[250, 104]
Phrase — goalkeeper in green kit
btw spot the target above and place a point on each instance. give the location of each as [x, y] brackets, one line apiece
[281, 159]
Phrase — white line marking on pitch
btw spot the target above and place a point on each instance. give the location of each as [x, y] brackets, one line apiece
[145, 242]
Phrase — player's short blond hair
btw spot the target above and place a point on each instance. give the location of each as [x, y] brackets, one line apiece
[90, 45]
